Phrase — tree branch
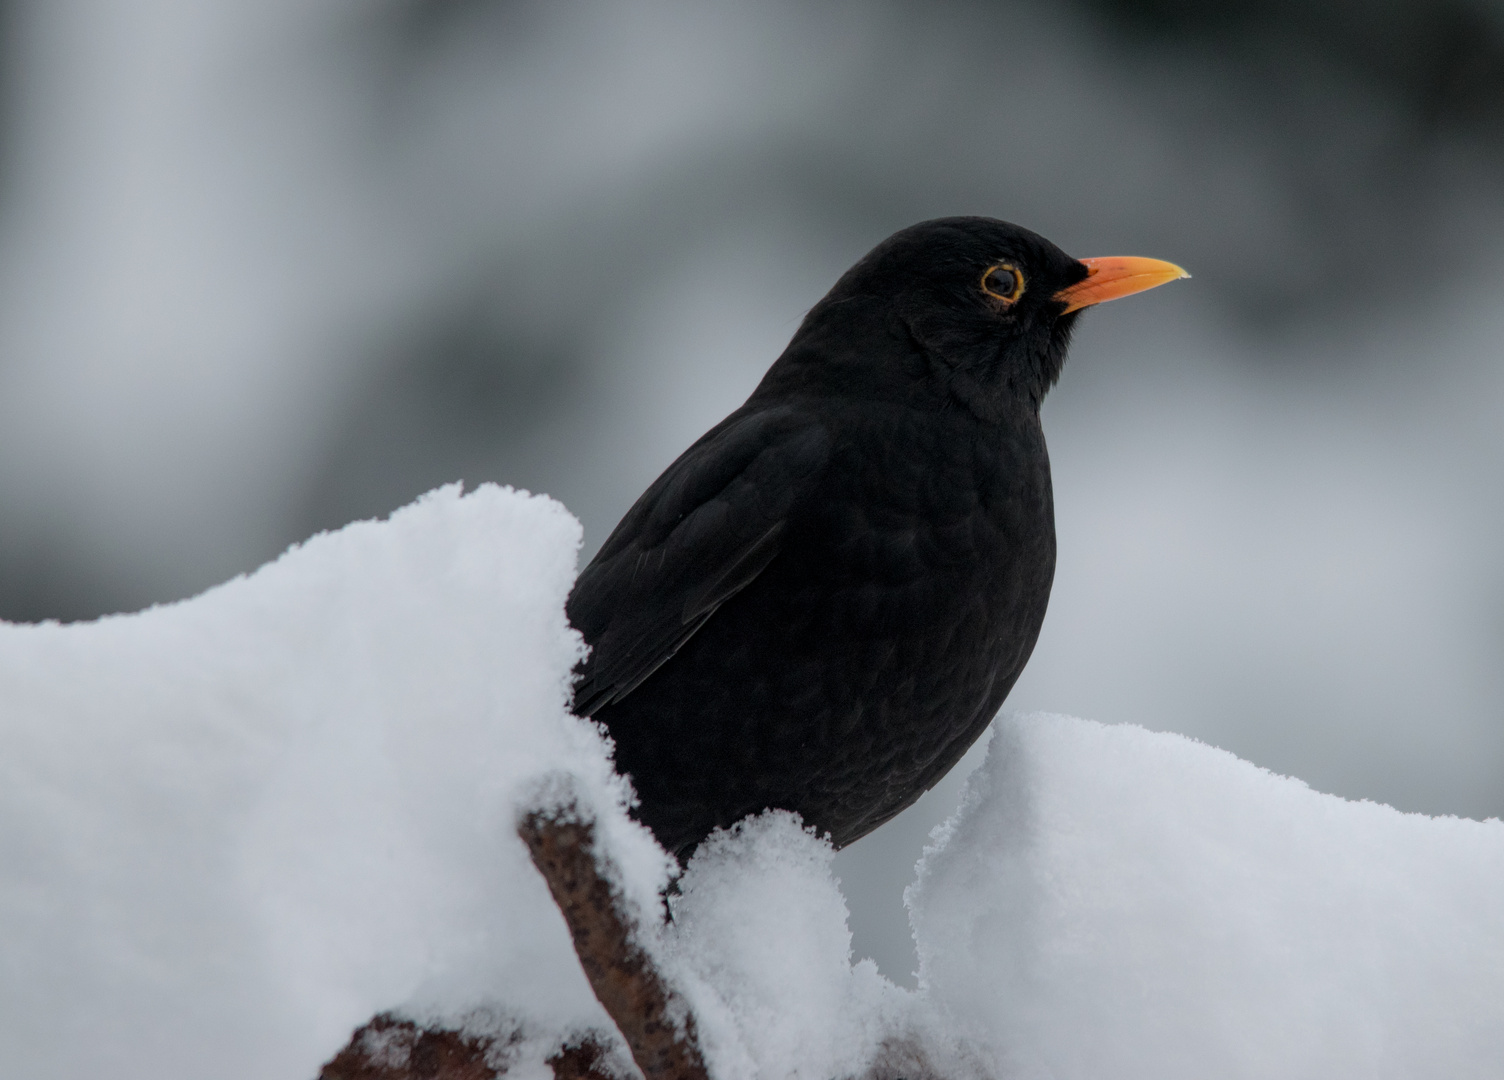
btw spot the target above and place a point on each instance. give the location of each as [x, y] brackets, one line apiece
[657, 1024]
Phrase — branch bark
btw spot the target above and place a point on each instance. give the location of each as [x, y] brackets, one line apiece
[389, 1048]
[656, 1022]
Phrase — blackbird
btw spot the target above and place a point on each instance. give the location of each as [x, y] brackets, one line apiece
[823, 602]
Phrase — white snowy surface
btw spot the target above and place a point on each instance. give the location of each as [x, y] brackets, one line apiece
[235, 828]
[761, 946]
[1112, 902]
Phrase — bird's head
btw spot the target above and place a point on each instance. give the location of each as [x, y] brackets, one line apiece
[989, 304]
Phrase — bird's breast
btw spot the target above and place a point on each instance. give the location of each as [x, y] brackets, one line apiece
[915, 525]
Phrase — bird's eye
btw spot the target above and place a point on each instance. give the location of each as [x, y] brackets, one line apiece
[1003, 282]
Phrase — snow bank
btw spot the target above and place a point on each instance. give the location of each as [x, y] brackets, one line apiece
[1113, 902]
[235, 828]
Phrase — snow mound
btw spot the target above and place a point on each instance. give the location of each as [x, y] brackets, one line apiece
[1113, 902]
[760, 942]
[234, 828]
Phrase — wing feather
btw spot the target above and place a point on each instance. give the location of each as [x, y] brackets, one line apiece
[704, 531]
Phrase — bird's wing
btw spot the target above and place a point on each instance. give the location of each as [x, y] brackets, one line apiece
[705, 529]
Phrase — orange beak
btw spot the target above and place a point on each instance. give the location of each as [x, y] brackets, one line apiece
[1114, 277]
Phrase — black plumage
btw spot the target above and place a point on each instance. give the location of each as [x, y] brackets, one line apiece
[823, 602]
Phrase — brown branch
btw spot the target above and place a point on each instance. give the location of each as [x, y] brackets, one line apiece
[657, 1024]
[582, 1060]
[389, 1048]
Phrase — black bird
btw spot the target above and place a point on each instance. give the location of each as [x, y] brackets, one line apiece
[826, 599]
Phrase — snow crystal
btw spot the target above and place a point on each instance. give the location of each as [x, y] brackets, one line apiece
[1113, 902]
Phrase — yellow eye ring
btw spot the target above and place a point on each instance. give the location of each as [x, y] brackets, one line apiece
[1003, 281]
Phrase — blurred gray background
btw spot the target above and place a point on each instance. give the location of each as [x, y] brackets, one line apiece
[267, 266]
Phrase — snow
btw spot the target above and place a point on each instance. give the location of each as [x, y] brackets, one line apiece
[235, 828]
[760, 938]
[1114, 902]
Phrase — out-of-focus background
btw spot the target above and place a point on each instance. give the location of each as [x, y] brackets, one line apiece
[267, 266]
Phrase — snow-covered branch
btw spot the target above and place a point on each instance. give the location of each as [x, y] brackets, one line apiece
[656, 1022]
[607, 931]
[236, 829]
